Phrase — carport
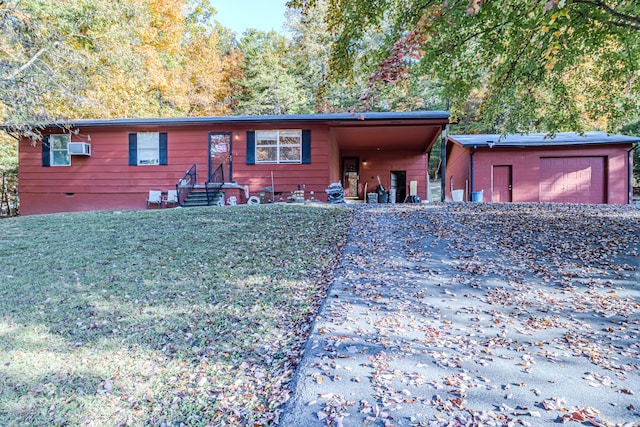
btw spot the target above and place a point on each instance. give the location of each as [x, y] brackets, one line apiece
[393, 148]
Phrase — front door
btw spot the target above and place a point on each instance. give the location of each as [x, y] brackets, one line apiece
[350, 176]
[220, 154]
[502, 187]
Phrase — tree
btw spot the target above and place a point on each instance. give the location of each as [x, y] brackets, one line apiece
[634, 129]
[210, 77]
[8, 174]
[39, 69]
[101, 59]
[555, 65]
[212, 63]
[310, 52]
[270, 86]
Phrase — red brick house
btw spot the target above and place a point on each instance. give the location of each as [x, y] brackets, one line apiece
[569, 168]
[113, 164]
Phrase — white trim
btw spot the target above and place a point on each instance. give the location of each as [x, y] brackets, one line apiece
[277, 136]
[53, 150]
[148, 143]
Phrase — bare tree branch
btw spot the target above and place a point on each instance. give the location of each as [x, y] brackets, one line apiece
[33, 59]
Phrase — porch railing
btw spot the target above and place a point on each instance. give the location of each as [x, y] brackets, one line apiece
[217, 175]
[214, 185]
[186, 184]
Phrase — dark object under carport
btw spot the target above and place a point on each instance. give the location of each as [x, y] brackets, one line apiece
[335, 193]
[383, 195]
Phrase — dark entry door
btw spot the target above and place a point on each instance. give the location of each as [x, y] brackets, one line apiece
[502, 186]
[350, 176]
[220, 154]
[399, 184]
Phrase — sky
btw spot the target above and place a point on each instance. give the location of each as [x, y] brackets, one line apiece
[239, 15]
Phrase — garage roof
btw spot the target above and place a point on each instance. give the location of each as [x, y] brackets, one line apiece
[541, 139]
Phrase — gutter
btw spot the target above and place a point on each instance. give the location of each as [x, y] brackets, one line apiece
[475, 148]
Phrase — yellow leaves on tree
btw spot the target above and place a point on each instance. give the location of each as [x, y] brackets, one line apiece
[210, 76]
[186, 71]
[171, 59]
[136, 58]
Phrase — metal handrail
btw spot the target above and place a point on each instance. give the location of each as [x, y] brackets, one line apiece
[217, 175]
[186, 184]
[214, 184]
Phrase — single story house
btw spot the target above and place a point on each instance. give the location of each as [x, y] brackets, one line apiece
[115, 163]
[565, 168]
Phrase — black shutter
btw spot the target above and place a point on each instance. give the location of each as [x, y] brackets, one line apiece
[251, 147]
[46, 151]
[164, 155]
[133, 149]
[306, 146]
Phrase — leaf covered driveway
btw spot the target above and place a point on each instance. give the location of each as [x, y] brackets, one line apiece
[479, 314]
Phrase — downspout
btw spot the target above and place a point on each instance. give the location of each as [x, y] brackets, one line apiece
[630, 175]
[475, 147]
[231, 159]
[443, 165]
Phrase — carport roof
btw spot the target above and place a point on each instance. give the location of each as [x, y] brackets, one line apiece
[541, 139]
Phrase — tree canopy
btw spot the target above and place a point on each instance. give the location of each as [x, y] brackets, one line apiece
[528, 64]
[104, 58]
[508, 66]
[38, 64]
[270, 85]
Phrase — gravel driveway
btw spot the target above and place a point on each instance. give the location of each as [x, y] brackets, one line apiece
[478, 314]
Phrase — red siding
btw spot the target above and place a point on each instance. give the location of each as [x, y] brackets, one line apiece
[335, 174]
[526, 169]
[458, 170]
[106, 181]
[286, 178]
[381, 163]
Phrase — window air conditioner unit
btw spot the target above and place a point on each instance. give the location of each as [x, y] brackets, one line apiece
[80, 148]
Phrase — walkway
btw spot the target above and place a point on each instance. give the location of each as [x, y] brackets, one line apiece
[469, 314]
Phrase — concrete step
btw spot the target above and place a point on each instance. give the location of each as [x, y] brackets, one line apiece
[198, 197]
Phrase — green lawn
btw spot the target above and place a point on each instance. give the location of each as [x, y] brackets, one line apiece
[179, 316]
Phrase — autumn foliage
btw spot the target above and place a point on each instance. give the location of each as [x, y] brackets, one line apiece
[539, 65]
[103, 59]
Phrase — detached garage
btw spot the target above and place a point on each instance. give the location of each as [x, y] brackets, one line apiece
[568, 168]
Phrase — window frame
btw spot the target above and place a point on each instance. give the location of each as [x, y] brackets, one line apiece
[53, 150]
[141, 141]
[279, 144]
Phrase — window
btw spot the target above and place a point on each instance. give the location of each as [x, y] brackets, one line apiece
[59, 149]
[148, 148]
[279, 146]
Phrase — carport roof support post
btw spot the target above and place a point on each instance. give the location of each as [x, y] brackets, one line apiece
[443, 166]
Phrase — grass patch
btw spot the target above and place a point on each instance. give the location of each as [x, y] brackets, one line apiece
[178, 317]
